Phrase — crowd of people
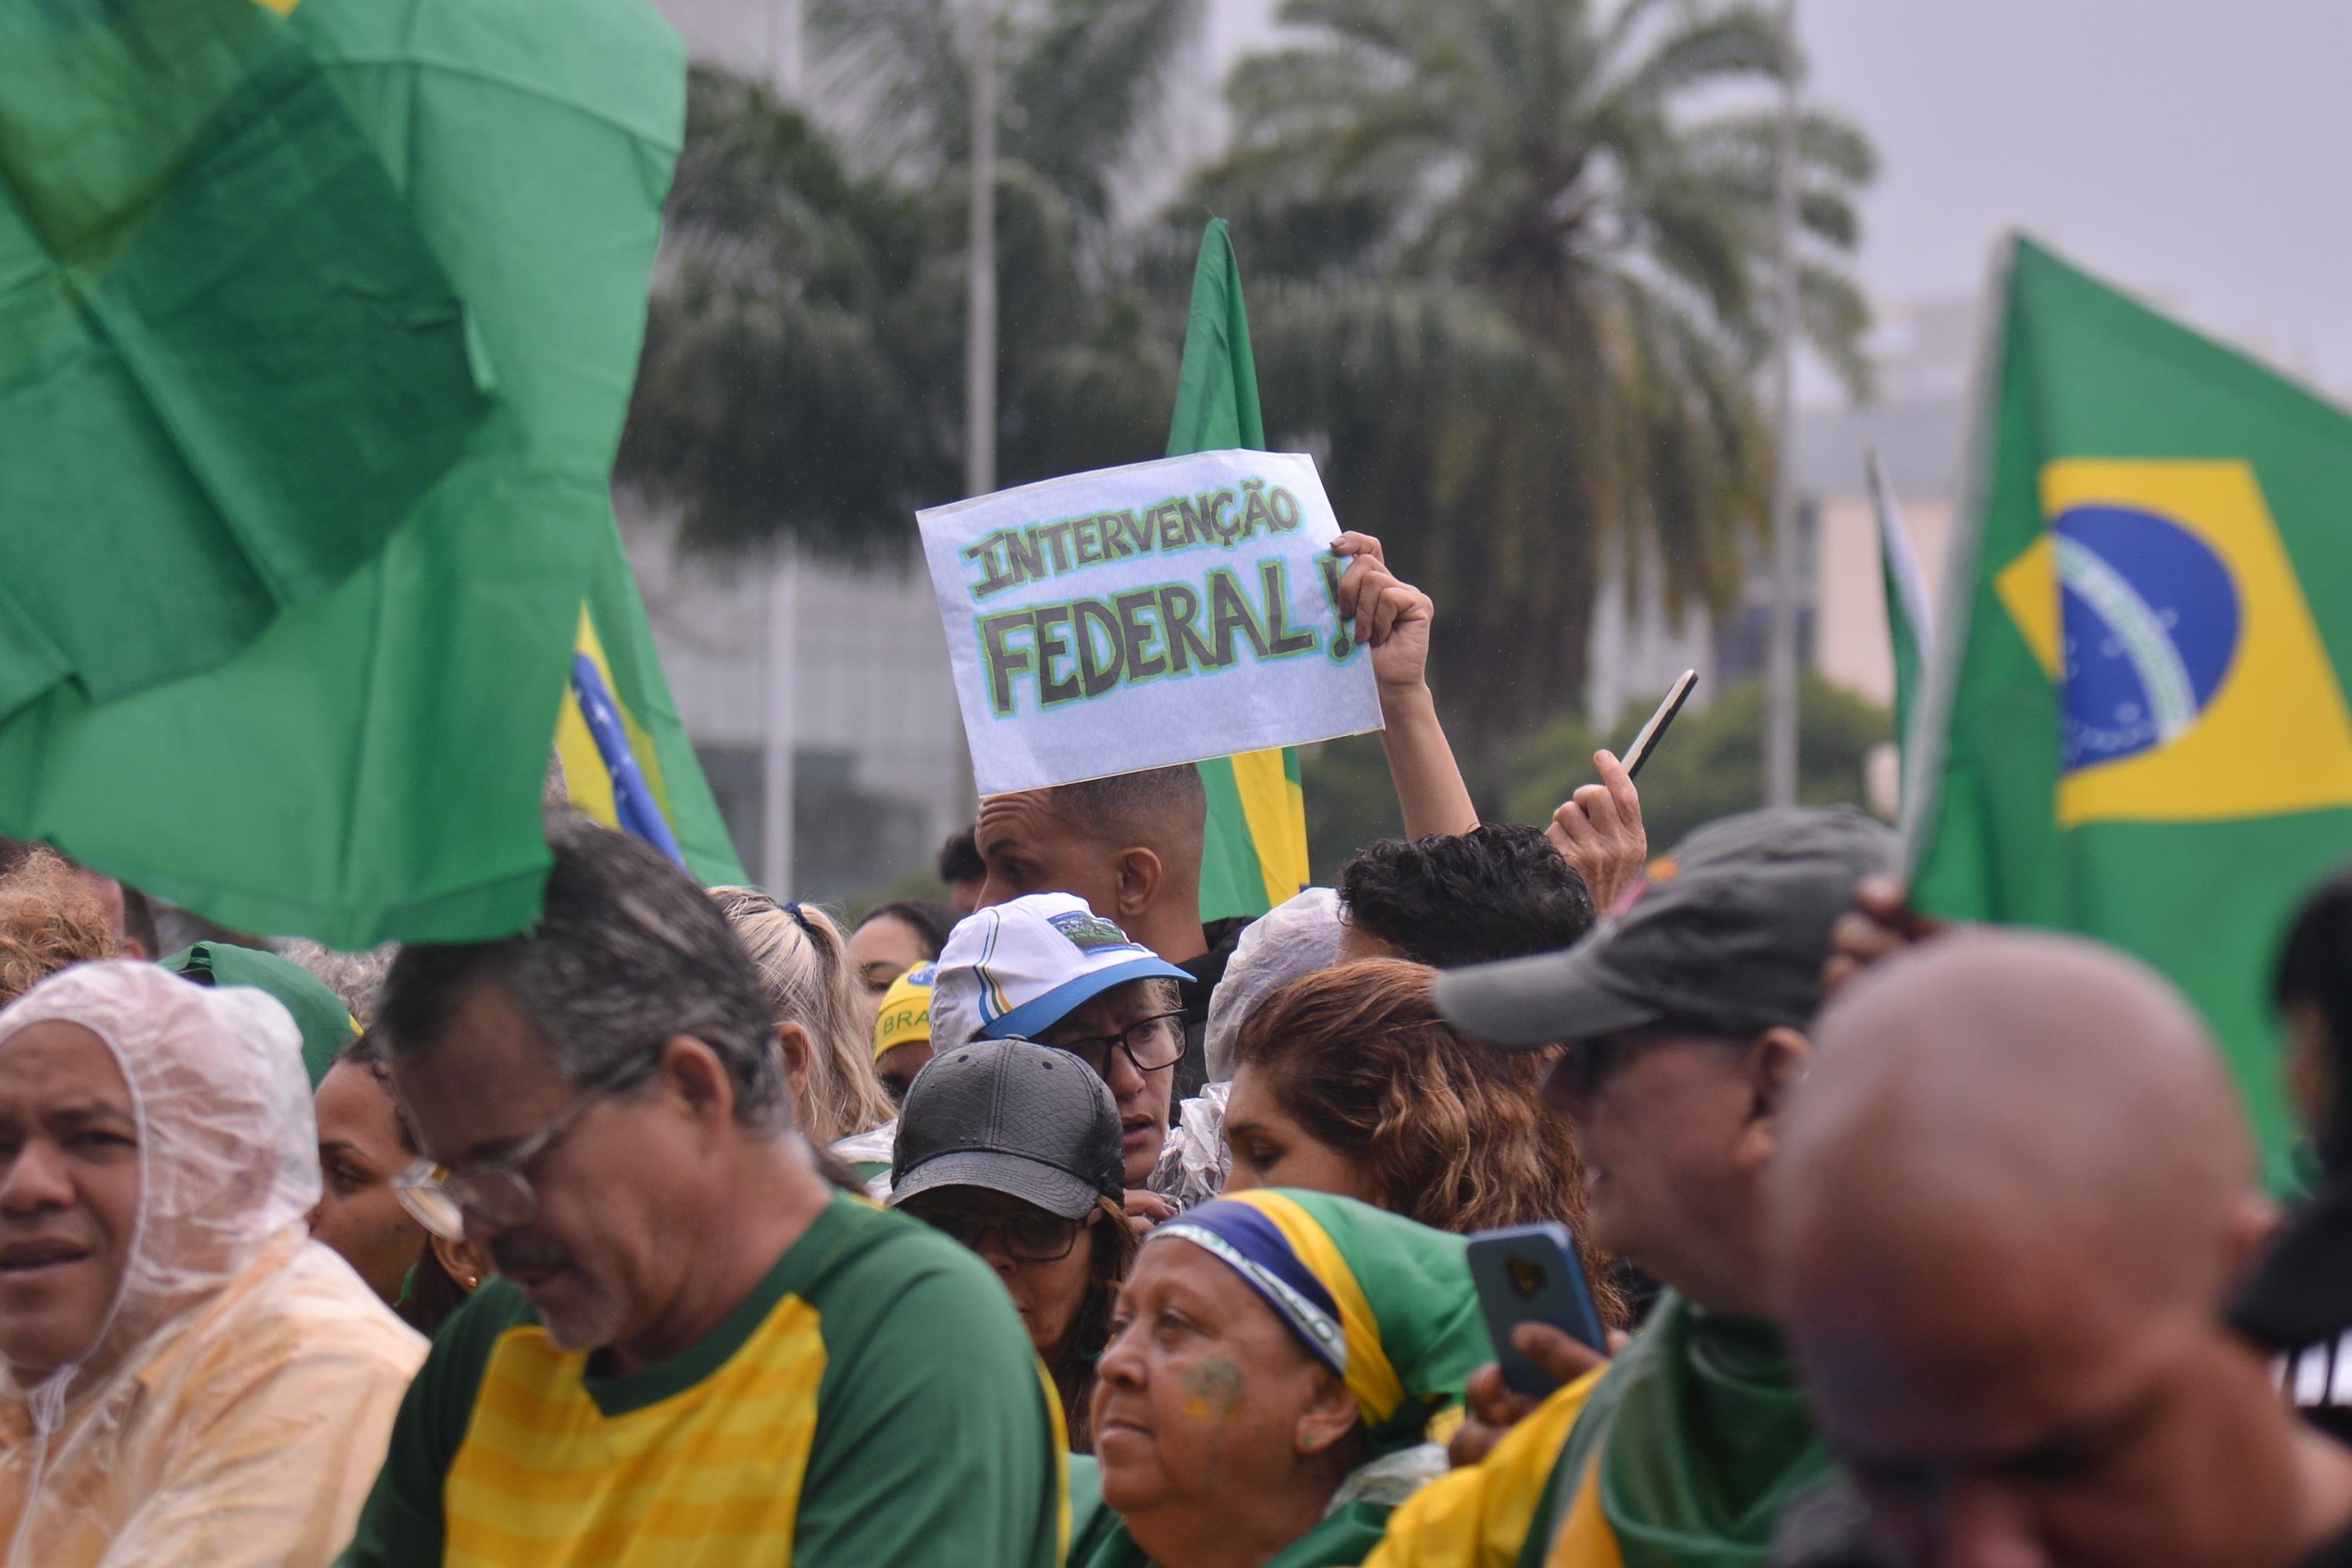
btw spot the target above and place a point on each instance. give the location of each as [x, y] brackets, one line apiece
[1053, 1225]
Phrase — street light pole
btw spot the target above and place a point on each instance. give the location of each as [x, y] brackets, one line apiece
[1780, 652]
[980, 335]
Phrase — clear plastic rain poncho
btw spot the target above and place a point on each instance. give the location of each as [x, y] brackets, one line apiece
[179, 1435]
[1298, 936]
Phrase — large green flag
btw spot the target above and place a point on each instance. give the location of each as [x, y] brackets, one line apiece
[2138, 731]
[1256, 855]
[229, 363]
[369, 767]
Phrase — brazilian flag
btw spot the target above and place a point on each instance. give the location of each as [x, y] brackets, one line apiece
[366, 763]
[2136, 724]
[230, 365]
[627, 762]
[1256, 853]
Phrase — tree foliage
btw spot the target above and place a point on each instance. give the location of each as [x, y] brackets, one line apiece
[804, 347]
[1710, 765]
[1520, 296]
[1510, 266]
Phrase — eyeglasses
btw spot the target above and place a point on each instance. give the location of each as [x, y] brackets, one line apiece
[1031, 1235]
[496, 1192]
[1152, 1044]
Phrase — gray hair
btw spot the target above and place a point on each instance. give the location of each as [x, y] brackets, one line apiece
[628, 952]
[355, 978]
[803, 966]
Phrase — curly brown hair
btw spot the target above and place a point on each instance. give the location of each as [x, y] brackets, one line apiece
[48, 922]
[1451, 1134]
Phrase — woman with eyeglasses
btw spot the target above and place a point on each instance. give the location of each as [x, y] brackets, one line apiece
[1045, 967]
[1013, 1150]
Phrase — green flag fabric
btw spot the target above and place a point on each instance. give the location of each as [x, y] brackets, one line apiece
[370, 768]
[1907, 605]
[1256, 853]
[1689, 1451]
[656, 790]
[2138, 731]
[229, 363]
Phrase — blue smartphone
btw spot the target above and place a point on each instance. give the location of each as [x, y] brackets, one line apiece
[1529, 1274]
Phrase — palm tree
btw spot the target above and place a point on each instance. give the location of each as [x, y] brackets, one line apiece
[802, 372]
[781, 389]
[1522, 273]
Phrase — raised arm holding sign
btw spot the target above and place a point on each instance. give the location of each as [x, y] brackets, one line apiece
[1144, 615]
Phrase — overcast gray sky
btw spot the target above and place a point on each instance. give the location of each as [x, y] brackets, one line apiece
[2194, 149]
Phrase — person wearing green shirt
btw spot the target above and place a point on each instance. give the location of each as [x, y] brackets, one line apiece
[1685, 1027]
[696, 1352]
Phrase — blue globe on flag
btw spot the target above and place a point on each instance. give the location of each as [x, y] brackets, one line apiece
[2151, 622]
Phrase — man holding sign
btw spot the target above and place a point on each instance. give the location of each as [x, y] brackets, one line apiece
[1130, 845]
[1142, 617]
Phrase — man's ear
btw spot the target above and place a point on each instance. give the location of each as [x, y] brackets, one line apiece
[693, 1072]
[2253, 1228]
[795, 1041]
[1136, 876]
[1775, 1064]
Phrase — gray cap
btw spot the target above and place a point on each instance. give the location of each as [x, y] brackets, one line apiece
[1730, 937]
[1014, 1118]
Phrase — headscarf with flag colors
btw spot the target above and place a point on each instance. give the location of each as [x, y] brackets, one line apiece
[1254, 853]
[1386, 1304]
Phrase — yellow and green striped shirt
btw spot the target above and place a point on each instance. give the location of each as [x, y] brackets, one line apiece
[874, 1400]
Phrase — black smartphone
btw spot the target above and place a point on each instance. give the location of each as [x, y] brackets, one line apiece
[1655, 729]
[1529, 1274]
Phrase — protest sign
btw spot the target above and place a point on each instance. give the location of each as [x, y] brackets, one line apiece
[1140, 616]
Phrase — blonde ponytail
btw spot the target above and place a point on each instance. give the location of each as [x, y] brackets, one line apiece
[803, 966]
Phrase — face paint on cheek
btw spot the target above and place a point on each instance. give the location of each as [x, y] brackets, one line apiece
[1215, 1386]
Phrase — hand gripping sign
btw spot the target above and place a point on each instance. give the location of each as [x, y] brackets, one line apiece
[1139, 616]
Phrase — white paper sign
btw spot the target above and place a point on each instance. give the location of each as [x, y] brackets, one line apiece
[1139, 616]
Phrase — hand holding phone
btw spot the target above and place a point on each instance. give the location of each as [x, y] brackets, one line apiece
[1529, 1274]
[1655, 729]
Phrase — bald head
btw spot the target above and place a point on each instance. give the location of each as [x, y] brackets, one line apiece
[2037, 1092]
[2011, 1200]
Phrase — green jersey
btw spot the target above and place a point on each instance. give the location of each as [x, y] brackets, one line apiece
[874, 1401]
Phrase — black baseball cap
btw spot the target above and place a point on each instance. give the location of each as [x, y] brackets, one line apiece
[1730, 936]
[1014, 1118]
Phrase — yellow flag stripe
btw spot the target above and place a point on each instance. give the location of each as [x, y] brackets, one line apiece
[1370, 1377]
[585, 778]
[1275, 811]
[1585, 1539]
